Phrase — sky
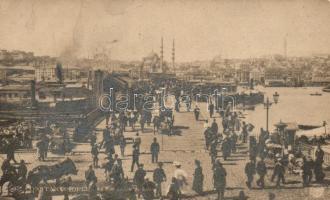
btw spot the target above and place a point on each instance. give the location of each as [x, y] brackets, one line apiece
[131, 29]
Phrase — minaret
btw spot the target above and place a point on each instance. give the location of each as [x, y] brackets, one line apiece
[173, 56]
[161, 54]
[285, 47]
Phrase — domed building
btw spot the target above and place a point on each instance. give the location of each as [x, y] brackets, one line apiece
[152, 63]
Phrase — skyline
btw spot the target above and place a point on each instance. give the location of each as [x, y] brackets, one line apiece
[130, 30]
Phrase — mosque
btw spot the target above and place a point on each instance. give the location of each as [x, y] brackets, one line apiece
[154, 64]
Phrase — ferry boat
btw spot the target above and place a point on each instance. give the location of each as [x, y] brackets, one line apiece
[326, 89]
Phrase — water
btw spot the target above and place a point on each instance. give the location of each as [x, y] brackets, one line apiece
[295, 105]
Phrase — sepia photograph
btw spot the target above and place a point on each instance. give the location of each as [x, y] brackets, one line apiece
[164, 99]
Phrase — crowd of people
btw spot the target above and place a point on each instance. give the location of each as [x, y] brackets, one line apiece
[14, 136]
[223, 138]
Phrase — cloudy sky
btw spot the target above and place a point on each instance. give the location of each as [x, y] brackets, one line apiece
[131, 29]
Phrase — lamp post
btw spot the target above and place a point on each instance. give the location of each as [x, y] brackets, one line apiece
[267, 105]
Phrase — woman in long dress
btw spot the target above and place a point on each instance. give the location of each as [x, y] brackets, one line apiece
[198, 178]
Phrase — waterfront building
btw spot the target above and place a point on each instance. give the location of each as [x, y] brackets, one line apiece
[45, 73]
[14, 94]
[243, 74]
[275, 76]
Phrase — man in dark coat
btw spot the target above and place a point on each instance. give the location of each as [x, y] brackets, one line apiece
[226, 148]
[262, 171]
[156, 122]
[135, 157]
[22, 170]
[233, 141]
[95, 153]
[213, 150]
[250, 170]
[154, 149]
[307, 173]
[108, 167]
[90, 175]
[106, 136]
[139, 178]
[214, 127]
[5, 167]
[196, 113]
[159, 176]
[219, 179]
[198, 178]
[211, 109]
[318, 170]
[244, 132]
[117, 174]
[279, 172]
[208, 137]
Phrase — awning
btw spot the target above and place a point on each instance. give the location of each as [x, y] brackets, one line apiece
[311, 133]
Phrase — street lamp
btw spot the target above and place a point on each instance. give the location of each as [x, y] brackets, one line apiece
[276, 96]
[267, 105]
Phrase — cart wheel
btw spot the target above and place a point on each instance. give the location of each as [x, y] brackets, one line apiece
[15, 190]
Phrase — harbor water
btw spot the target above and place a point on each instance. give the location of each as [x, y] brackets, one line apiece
[295, 105]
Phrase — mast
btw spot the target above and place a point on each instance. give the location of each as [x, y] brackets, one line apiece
[285, 48]
[161, 54]
[173, 56]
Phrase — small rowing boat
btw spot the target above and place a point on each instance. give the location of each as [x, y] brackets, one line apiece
[316, 94]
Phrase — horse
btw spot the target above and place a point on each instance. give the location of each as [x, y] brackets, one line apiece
[45, 173]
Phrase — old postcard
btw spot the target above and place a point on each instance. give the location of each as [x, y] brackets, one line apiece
[155, 99]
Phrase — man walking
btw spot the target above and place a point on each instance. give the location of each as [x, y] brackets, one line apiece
[196, 113]
[219, 179]
[250, 170]
[262, 171]
[159, 176]
[95, 153]
[214, 127]
[135, 157]
[318, 171]
[279, 172]
[307, 173]
[90, 175]
[154, 149]
[244, 132]
[211, 109]
[122, 145]
[139, 178]
[156, 122]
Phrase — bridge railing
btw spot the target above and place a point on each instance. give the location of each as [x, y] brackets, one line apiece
[309, 150]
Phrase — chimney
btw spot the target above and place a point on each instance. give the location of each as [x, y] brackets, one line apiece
[97, 85]
[33, 93]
